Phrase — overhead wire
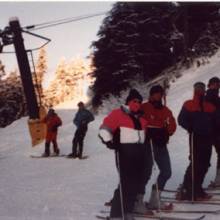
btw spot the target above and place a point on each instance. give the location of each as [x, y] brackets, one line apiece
[61, 21]
[54, 23]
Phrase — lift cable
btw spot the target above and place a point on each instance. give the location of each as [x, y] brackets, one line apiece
[51, 24]
[62, 21]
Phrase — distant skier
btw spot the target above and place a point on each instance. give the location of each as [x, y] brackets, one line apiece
[212, 95]
[82, 118]
[197, 117]
[123, 130]
[52, 121]
[161, 125]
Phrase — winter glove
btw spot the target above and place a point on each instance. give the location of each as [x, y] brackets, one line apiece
[110, 145]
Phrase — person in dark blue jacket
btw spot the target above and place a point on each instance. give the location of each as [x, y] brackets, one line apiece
[197, 116]
[212, 95]
[82, 118]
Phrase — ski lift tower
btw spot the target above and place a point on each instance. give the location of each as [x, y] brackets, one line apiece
[24, 68]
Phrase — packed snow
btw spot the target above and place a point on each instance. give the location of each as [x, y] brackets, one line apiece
[73, 189]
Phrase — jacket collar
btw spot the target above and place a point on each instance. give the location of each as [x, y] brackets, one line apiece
[126, 110]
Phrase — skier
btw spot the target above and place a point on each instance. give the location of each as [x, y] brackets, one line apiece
[82, 118]
[161, 125]
[123, 130]
[197, 117]
[52, 121]
[212, 95]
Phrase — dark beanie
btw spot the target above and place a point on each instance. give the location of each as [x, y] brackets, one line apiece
[80, 104]
[51, 111]
[133, 94]
[214, 80]
[156, 89]
[199, 85]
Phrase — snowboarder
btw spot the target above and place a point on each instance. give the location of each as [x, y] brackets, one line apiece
[123, 130]
[161, 125]
[212, 95]
[197, 117]
[52, 121]
[82, 118]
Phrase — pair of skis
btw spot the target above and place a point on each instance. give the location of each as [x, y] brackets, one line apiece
[163, 214]
[153, 216]
[211, 201]
[212, 191]
[61, 155]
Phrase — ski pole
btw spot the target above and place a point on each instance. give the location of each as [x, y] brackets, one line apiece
[192, 158]
[154, 168]
[120, 186]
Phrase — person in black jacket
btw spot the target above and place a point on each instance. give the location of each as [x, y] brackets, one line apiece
[82, 118]
[123, 130]
[197, 116]
[212, 95]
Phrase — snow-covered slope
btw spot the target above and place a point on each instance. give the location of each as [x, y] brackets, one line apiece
[65, 189]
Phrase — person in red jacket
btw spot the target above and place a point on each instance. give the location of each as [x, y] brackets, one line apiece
[198, 117]
[123, 130]
[212, 96]
[161, 125]
[52, 121]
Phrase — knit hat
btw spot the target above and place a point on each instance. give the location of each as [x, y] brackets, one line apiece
[133, 94]
[51, 111]
[156, 89]
[214, 80]
[199, 85]
[80, 104]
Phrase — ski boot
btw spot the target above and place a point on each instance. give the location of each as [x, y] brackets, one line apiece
[45, 155]
[140, 206]
[108, 203]
[155, 203]
[202, 196]
[72, 155]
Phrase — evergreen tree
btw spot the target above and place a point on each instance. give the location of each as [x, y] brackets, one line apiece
[2, 70]
[134, 43]
[12, 100]
[139, 40]
[41, 69]
[71, 81]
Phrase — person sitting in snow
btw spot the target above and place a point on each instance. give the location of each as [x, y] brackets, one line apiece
[212, 95]
[52, 121]
[161, 125]
[197, 116]
[123, 130]
[82, 118]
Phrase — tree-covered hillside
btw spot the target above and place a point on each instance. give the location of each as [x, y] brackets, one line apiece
[138, 40]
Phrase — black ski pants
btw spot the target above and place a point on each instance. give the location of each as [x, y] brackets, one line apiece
[131, 169]
[55, 147]
[200, 154]
[77, 147]
[148, 165]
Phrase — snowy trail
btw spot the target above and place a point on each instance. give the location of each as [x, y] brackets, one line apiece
[65, 189]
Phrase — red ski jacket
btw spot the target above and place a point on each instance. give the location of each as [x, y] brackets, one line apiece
[53, 122]
[159, 118]
[130, 132]
[198, 118]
